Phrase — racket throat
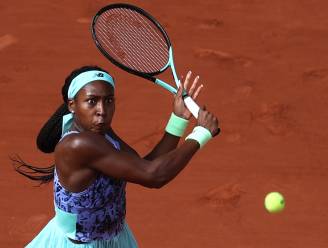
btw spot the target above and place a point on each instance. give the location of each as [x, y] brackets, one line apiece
[165, 86]
[171, 63]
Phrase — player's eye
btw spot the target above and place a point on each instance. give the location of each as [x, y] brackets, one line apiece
[109, 99]
[92, 101]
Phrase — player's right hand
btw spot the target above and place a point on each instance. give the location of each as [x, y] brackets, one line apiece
[179, 107]
[208, 121]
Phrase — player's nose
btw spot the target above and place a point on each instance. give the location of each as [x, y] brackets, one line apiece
[100, 111]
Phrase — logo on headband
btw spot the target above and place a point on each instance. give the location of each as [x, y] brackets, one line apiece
[100, 74]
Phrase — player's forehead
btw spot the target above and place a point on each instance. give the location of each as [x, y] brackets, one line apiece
[97, 88]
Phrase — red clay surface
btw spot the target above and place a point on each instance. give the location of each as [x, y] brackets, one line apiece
[265, 69]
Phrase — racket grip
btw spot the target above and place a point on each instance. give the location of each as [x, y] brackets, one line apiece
[192, 106]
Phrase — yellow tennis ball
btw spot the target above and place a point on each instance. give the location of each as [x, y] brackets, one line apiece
[274, 202]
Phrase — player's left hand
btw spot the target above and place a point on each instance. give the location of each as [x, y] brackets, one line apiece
[179, 107]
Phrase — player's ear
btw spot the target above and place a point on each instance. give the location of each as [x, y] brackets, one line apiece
[71, 106]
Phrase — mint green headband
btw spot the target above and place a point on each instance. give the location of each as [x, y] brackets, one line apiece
[77, 84]
[86, 77]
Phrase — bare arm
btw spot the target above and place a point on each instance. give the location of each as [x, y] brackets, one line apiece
[165, 145]
[89, 150]
[168, 143]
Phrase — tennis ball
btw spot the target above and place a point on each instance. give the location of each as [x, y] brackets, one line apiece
[274, 202]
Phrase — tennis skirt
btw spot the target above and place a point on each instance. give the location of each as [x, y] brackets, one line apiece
[52, 237]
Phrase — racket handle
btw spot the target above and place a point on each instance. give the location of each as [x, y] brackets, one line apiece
[192, 106]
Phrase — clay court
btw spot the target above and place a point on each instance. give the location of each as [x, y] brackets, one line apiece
[264, 65]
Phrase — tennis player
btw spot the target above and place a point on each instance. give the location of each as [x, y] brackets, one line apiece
[93, 165]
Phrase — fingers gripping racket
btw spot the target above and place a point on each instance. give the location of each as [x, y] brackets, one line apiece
[134, 41]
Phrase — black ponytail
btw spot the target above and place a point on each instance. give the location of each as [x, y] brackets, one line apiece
[50, 135]
[51, 131]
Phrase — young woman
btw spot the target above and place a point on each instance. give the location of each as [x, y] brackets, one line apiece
[93, 164]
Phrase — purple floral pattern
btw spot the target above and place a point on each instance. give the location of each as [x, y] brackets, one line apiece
[100, 209]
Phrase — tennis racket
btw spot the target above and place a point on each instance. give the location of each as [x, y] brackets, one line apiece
[135, 41]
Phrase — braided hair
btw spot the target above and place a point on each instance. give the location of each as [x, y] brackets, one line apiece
[50, 134]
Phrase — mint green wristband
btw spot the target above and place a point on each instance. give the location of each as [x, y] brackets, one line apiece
[176, 125]
[201, 135]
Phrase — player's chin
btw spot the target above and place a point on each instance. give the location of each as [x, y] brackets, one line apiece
[99, 129]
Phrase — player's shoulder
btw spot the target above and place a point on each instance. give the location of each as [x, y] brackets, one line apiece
[80, 141]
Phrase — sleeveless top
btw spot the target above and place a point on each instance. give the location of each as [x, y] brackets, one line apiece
[96, 213]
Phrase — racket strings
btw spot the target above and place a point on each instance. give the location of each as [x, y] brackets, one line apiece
[154, 36]
[106, 43]
[120, 54]
[151, 31]
[132, 40]
[126, 39]
[124, 42]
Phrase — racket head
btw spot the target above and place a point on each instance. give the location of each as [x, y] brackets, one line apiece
[132, 39]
